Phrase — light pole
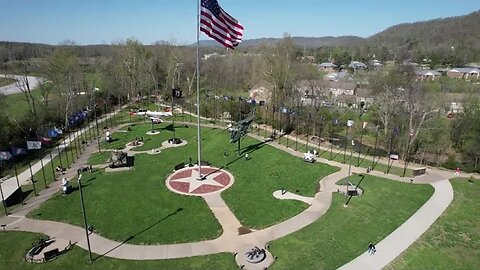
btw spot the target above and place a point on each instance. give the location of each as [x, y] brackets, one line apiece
[360, 146]
[51, 164]
[66, 153]
[43, 169]
[14, 165]
[173, 97]
[377, 127]
[3, 200]
[79, 177]
[96, 124]
[408, 150]
[70, 144]
[31, 179]
[346, 144]
[350, 167]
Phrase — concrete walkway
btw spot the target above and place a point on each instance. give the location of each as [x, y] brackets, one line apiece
[230, 241]
[287, 195]
[405, 235]
[10, 185]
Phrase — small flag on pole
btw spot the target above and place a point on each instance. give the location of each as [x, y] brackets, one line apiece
[5, 155]
[52, 133]
[34, 145]
[219, 25]
[59, 131]
[18, 151]
[46, 141]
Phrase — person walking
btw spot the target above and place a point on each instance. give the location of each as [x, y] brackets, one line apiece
[457, 171]
[371, 249]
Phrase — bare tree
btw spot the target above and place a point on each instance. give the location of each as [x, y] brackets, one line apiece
[66, 77]
[22, 82]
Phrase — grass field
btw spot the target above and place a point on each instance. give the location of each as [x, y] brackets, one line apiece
[16, 104]
[350, 158]
[453, 241]
[149, 200]
[331, 241]
[251, 197]
[135, 205]
[77, 258]
[6, 81]
[344, 233]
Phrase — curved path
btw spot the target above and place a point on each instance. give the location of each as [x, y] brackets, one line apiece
[13, 89]
[405, 235]
[10, 185]
[230, 241]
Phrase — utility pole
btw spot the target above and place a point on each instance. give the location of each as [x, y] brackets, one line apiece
[79, 177]
[375, 149]
[3, 198]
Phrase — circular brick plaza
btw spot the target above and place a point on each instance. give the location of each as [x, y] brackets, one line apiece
[185, 182]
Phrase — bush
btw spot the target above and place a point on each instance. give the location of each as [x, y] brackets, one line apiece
[451, 163]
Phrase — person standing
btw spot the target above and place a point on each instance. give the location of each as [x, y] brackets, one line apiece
[457, 171]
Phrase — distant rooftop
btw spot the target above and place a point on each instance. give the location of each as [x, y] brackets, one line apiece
[327, 64]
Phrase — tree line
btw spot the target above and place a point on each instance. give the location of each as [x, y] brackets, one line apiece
[408, 116]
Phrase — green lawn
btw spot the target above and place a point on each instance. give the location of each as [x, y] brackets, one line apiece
[135, 203]
[13, 258]
[344, 233]
[331, 241]
[16, 104]
[6, 81]
[251, 196]
[453, 241]
[100, 158]
[149, 200]
[397, 168]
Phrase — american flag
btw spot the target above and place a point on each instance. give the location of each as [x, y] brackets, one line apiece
[219, 25]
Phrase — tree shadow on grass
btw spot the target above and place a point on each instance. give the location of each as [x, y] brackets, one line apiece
[171, 127]
[245, 150]
[140, 232]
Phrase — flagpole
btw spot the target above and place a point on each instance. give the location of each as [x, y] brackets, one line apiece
[199, 138]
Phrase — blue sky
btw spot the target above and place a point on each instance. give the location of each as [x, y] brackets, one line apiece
[107, 21]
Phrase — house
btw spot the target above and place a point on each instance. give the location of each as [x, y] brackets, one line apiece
[454, 102]
[327, 66]
[427, 74]
[465, 73]
[357, 65]
[365, 95]
[338, 76]
[341, 88]
[206, 56]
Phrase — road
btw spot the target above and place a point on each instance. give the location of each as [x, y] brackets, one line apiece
[13, 89]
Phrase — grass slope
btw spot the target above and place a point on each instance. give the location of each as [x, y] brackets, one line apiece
[344, 233]
[6, 81]
[77, 258]
[122, 204]
[453, 241]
